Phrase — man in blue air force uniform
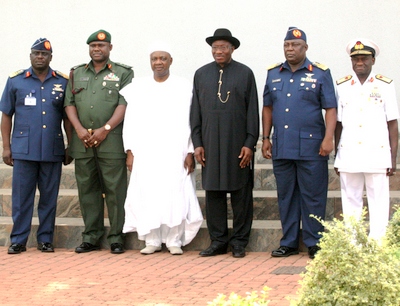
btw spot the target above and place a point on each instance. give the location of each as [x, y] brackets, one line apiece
[35, 150]
[295, 94]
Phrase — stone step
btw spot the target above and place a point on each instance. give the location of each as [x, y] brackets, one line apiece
[258, 158]
[264, 178]
[264, 237]
[265, 204]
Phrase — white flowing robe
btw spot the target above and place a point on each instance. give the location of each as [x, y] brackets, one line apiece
[157, 131]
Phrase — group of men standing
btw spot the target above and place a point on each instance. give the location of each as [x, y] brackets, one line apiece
[112, 121]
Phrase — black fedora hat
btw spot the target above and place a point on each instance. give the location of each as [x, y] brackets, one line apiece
[223, 34]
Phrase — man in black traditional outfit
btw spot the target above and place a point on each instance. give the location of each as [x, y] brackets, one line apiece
[224, 119]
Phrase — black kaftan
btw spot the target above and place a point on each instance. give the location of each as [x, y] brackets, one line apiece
[224, 128]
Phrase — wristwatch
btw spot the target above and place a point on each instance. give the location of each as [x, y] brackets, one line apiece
[107, 127]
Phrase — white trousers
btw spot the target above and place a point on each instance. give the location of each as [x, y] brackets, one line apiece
[171, 236]
[377, 187]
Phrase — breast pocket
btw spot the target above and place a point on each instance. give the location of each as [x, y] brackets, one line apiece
[275, 90]
[20, 140]
[80, 88]
[308, 91]
[111, 91]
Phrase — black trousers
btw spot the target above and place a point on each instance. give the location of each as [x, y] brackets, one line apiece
[217, 215]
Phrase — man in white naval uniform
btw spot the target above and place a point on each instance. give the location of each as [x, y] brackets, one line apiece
[368, 132]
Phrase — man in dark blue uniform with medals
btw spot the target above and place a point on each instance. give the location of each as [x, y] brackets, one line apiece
[35, 149]
[295, 94]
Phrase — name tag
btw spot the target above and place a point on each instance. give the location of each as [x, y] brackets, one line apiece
[31, 101]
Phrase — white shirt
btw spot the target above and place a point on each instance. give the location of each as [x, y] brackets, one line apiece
[364, 110]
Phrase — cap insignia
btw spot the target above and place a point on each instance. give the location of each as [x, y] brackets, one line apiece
[101, 36]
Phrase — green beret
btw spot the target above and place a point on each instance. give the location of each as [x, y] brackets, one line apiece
[100, 35]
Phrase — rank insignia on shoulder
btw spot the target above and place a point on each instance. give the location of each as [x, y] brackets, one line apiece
[14, 74]
[274, 66]
[383, 78]
[320, 66]
[123, 65]
[345, 79]
[62, 74]
[77, 66]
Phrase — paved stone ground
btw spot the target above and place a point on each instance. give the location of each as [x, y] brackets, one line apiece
[101, 278]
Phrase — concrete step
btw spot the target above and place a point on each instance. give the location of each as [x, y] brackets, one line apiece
[265, 204]
[265, 235]
[264, 179]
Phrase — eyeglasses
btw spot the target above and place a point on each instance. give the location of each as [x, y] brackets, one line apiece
[221, 48]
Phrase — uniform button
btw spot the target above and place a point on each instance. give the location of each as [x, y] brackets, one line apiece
[96, 78]
[93, 91]
[287, 110]
[301, 84]
[44, 126]
[91, 106]
[360, 125]
[286, 126]
[44, 113]
[307, 88]
[274, 88]
[291, 81]
[310, 135]
[42, 87]
[288, 94]
[43, 100]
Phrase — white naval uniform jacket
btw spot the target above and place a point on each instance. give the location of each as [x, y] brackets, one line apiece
[363, 110]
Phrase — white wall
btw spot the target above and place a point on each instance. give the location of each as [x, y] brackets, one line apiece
[260, 25]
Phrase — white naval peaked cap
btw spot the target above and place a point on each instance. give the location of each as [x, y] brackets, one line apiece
[159, 45]
[362, 46]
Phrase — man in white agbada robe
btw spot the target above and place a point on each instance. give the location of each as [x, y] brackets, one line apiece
[161, 204]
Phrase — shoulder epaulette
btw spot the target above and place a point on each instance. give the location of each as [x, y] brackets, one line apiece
[62, 74]
[14, 74]
[320, 66]
[123, 65]
[383, 78]
[274, 66]
[77, 66]
[345, 79]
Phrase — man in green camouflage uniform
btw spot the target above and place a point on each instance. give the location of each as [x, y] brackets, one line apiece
[96, 110]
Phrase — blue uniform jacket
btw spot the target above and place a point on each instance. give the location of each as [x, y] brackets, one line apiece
[297, 99]
[38, 112]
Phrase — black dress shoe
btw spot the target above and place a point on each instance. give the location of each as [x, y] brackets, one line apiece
[312, 251]
[117, 248]
[238, 251]
[284, 251]
[86, 247]
[213, 250]
[16, 248]
[45, 247]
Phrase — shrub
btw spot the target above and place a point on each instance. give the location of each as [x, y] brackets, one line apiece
[392, 237]
[351, 268]
[252, 299]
